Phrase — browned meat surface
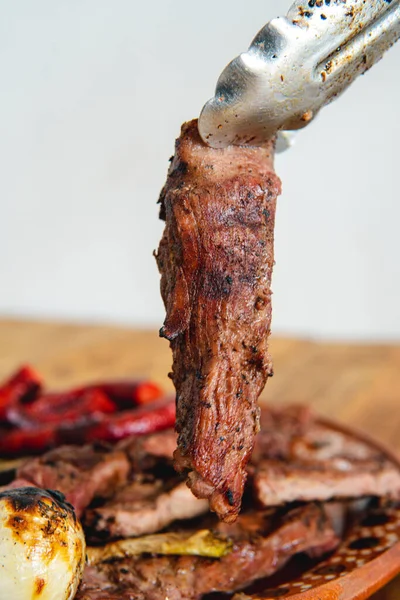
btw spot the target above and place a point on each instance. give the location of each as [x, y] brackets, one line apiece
[141, 508]
[277, 483]
[152, 499]
[280, 427]
[79, 473]
[93, 471]
[215, 258]
[97, 586]
[298, 459]
[149, 451]
[261, 547]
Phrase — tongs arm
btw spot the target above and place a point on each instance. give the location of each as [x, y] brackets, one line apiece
[296, 65]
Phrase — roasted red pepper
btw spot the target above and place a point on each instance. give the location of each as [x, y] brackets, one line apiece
[85, 401]
[68, 407]
[127, 394]
[108, 428]
[74, 405]
[116, 427]
[22, 388]
[20, 442]
[107, 411]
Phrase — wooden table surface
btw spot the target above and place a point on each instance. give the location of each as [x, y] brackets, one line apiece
[356, 384]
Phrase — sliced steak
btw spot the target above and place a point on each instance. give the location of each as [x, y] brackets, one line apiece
[79, 473]
[216, 258]
[310, 461]
[141, 508]
[83, 473]
[276, 483]
[262, 545]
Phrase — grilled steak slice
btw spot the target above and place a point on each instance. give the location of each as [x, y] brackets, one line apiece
[276, 483]
[83, 473]
[79, 473]
[261, 547]
[141, 508]
[215, 258]
[298, 459]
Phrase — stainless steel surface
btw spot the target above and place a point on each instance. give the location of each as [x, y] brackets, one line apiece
[296, 65]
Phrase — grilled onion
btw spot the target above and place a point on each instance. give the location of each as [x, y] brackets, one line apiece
[42, 546]
[198, 543]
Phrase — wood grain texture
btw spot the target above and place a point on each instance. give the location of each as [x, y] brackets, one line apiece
[356, 384]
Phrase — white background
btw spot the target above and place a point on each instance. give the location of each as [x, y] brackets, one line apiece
[93, 93]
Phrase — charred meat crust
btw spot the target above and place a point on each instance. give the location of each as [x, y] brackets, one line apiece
[216, 258]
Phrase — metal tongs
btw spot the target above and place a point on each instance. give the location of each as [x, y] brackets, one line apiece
[296, 65]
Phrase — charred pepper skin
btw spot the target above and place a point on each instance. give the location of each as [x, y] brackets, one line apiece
[34, 421]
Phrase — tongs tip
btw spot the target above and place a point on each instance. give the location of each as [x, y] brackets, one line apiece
[295, 66]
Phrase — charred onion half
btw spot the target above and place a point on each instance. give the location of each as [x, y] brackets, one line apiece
[42, 546]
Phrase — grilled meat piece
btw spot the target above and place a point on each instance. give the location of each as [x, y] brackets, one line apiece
[299, 459]
[79, 473]
[276, 483]
[97, 470]
[141, 508]
[215, 258]
[263, 543]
